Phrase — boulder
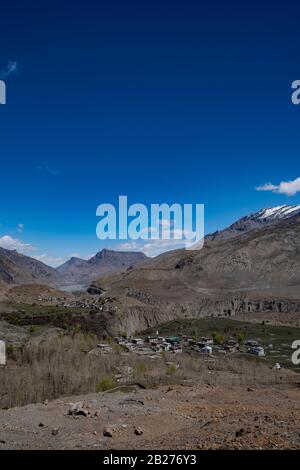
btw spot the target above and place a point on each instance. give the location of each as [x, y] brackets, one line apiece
[78, 409]
[138, 431]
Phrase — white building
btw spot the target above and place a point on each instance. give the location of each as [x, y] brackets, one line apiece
[206, 350]
[257, 351]
[138, 341]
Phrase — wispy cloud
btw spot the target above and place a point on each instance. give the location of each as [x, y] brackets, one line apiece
[11, 69]
[289, 188]
[11, 243]
[53, 261]
[20, 228]
[162, 238]
[56, 261]
[152, 247]
[47, 169]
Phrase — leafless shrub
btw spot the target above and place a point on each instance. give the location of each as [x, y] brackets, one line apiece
[53, 368]
[62, 366]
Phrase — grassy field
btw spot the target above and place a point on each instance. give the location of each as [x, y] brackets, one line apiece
[277, 340]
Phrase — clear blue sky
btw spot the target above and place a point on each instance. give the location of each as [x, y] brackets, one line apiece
[162, 101]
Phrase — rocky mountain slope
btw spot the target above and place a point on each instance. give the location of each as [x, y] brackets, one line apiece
[80, 271]
[256, 271]
[263, 259]
[257, 220]
[16, 268]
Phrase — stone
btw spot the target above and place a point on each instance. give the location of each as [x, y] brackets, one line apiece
[240, 432]
[78, 409]
[108, 431]
[138, 431]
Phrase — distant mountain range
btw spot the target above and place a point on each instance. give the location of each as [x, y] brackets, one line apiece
[80, 271]
[16, 268]
[235, 263]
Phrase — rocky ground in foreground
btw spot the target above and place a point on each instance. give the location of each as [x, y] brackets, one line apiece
[183, 416]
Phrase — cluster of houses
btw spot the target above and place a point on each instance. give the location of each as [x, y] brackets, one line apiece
[71, 303]
[173, 344]
[232, 346]
[178, 343]
[78, 304]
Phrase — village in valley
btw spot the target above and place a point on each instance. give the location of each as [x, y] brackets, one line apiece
[152, 345]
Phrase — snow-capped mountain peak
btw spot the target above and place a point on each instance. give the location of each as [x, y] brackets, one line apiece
[256, 221]
[276, 213]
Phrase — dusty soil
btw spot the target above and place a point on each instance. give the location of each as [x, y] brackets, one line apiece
[183, 416]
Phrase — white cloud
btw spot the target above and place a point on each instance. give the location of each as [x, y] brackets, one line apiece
[11, 243]
[53, 261]
[156, 247]
[10, 69]
[21, 228]
[289, 188]
[152, 247]
[266, 187]
[56, 261]
[164, 222]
